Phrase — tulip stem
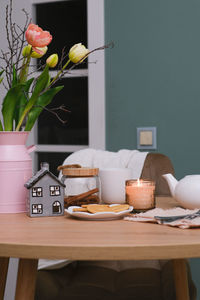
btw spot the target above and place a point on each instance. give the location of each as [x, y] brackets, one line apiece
[60, 72]
[24, 71]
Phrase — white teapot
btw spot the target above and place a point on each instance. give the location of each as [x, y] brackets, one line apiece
[186, 191]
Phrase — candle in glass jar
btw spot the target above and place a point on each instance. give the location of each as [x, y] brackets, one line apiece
[140, 194]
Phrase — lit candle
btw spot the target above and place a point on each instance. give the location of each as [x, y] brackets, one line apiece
[140, 194]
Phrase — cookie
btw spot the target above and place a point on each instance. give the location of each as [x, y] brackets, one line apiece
[95, 208]
[120, 207]
[83, 209]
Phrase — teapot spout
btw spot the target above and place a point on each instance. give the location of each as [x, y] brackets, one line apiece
[172, 182]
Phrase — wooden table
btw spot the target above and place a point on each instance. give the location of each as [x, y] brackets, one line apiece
[64, 237]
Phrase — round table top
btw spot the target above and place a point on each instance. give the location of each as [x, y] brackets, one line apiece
[65, 237]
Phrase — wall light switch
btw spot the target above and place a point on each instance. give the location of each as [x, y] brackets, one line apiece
[146, 138]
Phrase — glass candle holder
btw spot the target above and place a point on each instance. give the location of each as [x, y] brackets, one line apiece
[140, 194]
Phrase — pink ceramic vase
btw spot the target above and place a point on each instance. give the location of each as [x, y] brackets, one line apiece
[15, 170]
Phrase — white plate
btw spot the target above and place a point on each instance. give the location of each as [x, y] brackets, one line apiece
[107, 215]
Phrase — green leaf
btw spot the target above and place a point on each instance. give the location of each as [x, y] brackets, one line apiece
[39, 87]
[22, 100]
[9, 105]
[49, 80]
[1, 72]
[42, 101]
[1, 126]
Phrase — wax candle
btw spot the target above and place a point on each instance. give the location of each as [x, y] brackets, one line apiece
[140, 194]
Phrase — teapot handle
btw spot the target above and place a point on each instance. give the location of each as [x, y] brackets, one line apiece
[31, 148]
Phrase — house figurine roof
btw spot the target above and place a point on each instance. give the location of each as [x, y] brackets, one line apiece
[43, 171]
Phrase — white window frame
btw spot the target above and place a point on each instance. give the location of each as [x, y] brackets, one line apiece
[95, 73]
[96, 84]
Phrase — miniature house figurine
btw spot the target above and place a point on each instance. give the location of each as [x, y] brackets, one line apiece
[46, 194]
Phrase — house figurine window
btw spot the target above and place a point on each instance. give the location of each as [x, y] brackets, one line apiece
[37, 192]
[54, 190]
[57, 207]
[37, 209]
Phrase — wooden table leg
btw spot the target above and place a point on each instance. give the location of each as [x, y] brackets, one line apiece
[181, 279]
[4, 262]
[26, 279]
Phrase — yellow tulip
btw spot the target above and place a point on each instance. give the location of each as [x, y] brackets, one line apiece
[52, 60]
[78, 53]
[26, 50]
[39, 52]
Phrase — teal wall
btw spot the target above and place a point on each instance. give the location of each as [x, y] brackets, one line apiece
[153, 76]
[153, 79]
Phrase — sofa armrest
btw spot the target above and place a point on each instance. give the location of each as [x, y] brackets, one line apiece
[155, 165]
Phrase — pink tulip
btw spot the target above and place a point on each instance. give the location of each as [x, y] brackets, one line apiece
[36, 37]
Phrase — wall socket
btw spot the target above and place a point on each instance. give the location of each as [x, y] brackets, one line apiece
[146, 138]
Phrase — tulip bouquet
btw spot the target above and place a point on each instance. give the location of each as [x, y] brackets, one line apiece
[27, 96]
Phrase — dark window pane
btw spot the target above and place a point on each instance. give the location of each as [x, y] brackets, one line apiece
[54, 159]
[74, 96]
[67, 23]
